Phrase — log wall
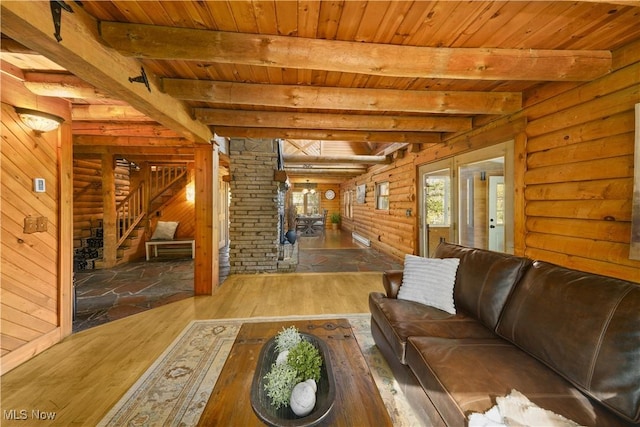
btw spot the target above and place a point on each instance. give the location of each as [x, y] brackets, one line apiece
[36, 277]
[87, 194]
[574, 150]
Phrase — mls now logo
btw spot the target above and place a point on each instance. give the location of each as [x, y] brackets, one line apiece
[14, 414]
[23, 414]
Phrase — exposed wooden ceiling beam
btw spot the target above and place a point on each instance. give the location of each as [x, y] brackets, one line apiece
[62, 86]
[357, 159]
[160, 42]
[79, 51]
[329, 135]
[335, 98]
[324, 171]
[130, 141]
[103, 113]
[246, 118]
[123, 129]
[123, 150]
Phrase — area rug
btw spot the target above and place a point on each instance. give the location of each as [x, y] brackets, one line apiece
[176, 388]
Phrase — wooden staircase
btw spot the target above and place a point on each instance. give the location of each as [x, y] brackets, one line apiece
[151, 195]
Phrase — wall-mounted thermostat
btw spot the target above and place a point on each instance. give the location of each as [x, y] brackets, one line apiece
[39, 185]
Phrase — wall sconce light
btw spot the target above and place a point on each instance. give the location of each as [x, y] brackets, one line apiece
[38, 121]
[191, 192]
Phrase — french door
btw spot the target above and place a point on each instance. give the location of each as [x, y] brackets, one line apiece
[468, 200]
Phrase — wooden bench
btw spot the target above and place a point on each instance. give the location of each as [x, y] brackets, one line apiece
[156, 243]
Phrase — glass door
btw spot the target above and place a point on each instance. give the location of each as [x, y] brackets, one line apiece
[436, 210]
[468, 200]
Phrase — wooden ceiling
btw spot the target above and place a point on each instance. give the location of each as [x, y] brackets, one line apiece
[334, 79]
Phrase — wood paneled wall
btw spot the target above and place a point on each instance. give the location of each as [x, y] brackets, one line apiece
[35, 275]
[573, 168]
[181, 210]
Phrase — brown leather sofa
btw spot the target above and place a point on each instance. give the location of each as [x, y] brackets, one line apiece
[568, 340]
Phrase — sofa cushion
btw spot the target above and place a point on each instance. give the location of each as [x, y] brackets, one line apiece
[484, 280]
[464, 376]
[585, 327]
[399, 319]
[429, 281]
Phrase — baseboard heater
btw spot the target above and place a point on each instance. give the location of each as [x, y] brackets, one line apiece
[360, 239]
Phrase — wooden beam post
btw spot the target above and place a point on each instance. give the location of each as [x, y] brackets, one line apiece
[206, 266]
[109, 215]
[65, 230]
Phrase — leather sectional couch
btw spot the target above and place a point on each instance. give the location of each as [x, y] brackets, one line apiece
[568, 340]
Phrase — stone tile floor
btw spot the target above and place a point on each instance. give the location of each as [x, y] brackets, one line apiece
[110, 294]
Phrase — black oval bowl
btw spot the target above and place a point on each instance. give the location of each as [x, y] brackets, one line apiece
[325, 395]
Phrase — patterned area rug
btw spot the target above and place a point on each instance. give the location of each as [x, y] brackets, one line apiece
[175, 389]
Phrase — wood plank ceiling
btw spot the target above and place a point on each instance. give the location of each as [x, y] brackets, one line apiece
[337, 80]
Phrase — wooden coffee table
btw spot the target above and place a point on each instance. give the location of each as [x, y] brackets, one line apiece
[358, 402]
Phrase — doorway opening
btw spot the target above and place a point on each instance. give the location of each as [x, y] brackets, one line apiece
[468, 199]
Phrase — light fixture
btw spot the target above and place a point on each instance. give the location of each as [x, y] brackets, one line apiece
[309, 188]
[38, 121]
[191, 192]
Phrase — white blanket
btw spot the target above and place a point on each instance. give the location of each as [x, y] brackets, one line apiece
[516, 410]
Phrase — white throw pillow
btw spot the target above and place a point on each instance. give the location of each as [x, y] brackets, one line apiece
[429, 281]
[165, 230]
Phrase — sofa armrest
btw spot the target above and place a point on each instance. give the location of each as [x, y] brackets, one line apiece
[391, 280]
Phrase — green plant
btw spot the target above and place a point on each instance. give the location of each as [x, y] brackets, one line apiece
[335, 218]
[306, 360]
[287, 339]
[303, 363]
[279, 383]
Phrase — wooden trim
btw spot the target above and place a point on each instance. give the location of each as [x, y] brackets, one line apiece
[65, 230]
[29, 350]
[519, 204]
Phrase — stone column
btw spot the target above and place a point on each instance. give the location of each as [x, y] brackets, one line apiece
[253, 213]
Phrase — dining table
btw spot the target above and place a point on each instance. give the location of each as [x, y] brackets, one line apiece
[307, 223]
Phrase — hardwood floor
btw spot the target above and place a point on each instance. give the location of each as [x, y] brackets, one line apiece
[82, 377]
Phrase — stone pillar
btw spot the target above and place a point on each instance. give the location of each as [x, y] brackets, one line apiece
[253, 214]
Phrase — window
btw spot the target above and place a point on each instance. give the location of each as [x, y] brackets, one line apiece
[348, 204]
[382, 196]
[437, 196]
[306, 203]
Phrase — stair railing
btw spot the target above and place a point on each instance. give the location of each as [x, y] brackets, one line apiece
[161, 177]
[129, 213]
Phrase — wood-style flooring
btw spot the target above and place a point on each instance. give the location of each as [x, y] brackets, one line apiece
[83, 376]
[110, 294]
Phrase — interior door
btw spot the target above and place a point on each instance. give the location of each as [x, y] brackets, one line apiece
[496, 213]
[223, 214]
[485, 198]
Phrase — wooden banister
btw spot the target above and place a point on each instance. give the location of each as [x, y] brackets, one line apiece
[162, 177]
[129, 213]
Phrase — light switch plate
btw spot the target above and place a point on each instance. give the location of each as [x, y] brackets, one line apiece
[39, 185]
